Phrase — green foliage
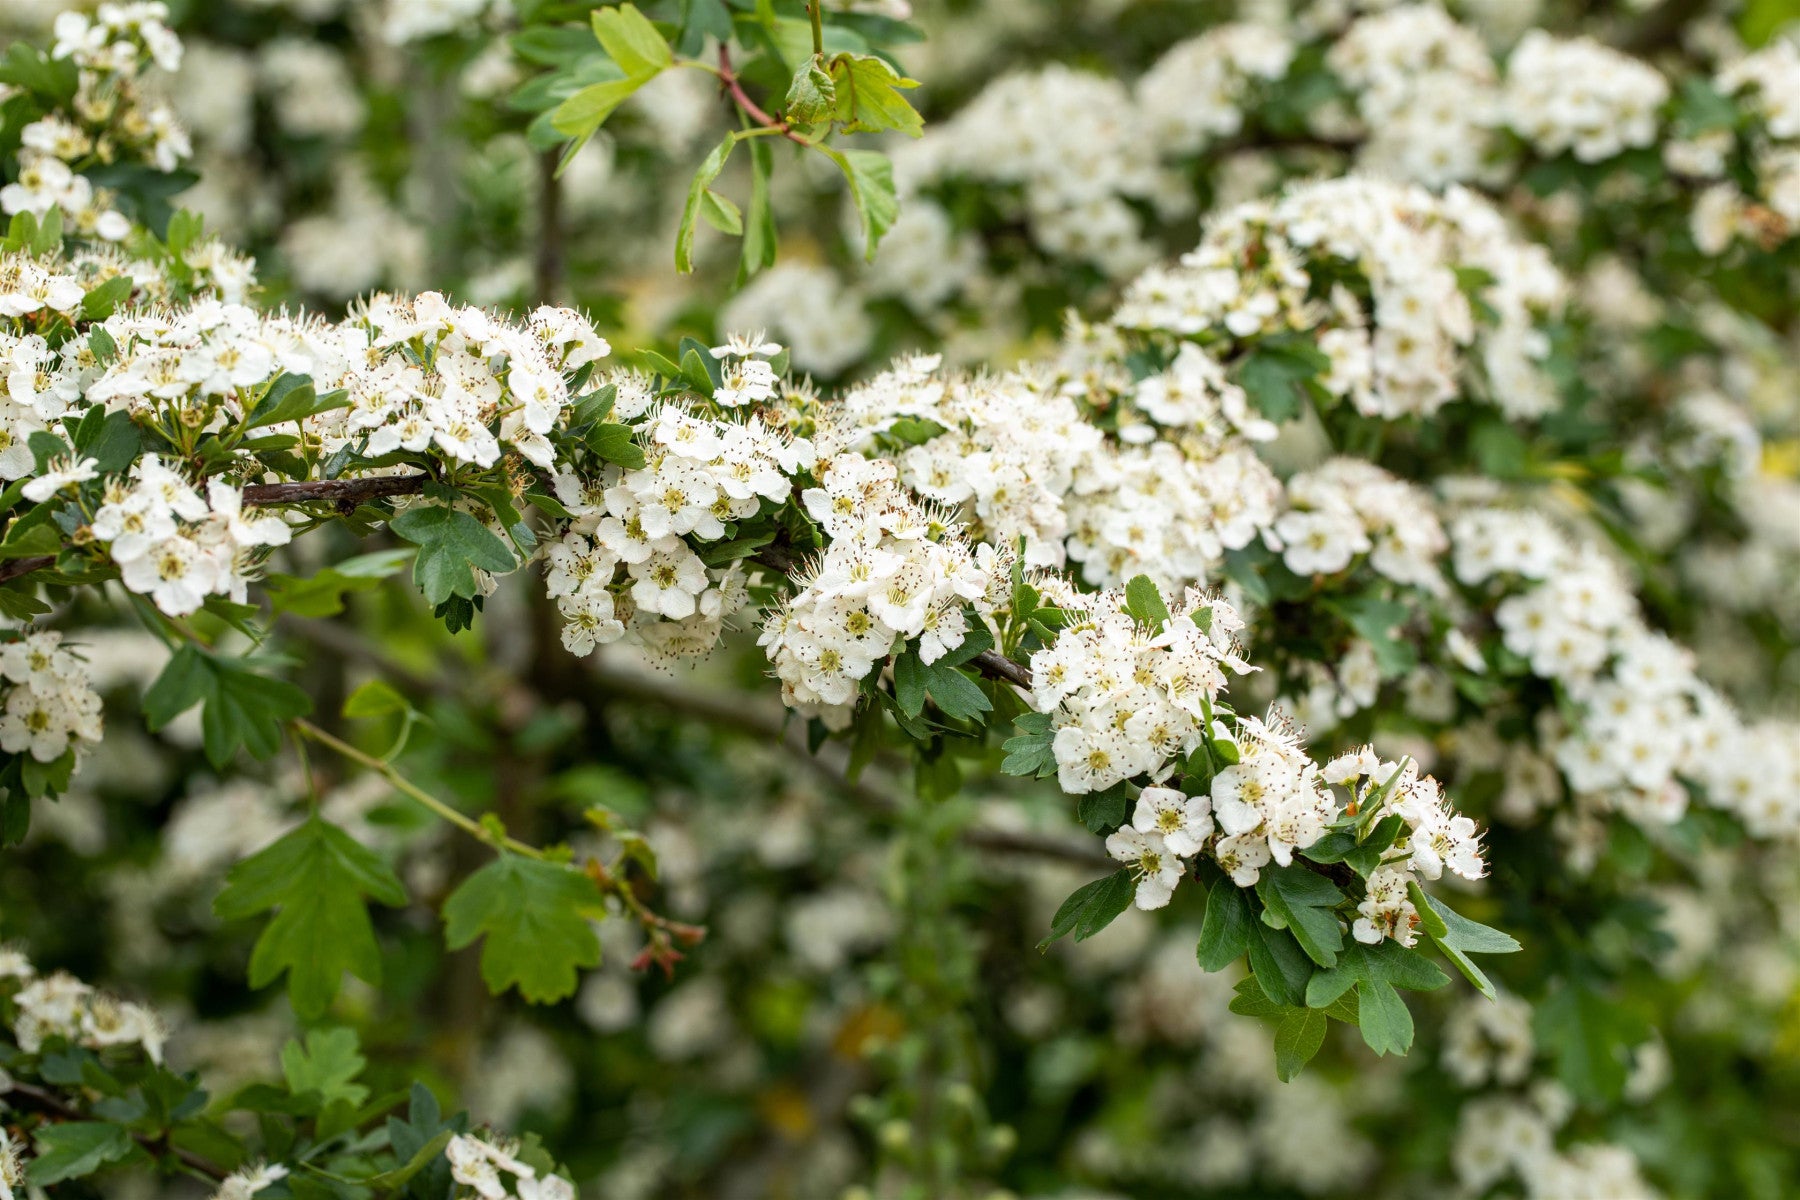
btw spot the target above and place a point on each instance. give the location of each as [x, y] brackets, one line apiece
[1376, 972]
[1226, 931]
[317, 878]
[452, 546]
[871, 179]
[1144, 604]
[698, 191]
[1590, 1039]
[322, 593]
[535, 918]
[1458, 937]
[866, 96]
[1279, 373]
[1029, 753]
[326, 1066]
[1297, 900]
[75, 1149]
[241, 707]
[1091, 908]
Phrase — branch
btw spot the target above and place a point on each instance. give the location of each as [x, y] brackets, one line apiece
[346, 493]
[51, 1104]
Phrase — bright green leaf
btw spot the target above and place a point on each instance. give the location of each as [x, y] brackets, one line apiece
[535, 918]
[316, 878]
[703, 179]
[871, 179]
[630, 40]
[328, 1065]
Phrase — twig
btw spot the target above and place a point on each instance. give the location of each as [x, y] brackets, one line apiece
[751, 108]
[407, 787]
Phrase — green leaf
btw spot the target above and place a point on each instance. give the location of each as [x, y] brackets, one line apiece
[1304, 904]
[1458, 937]
[1029, 752]
[317, 878]
[292, 398]
[630, 40]
[1104, 811]
[722, 214]
[328, 1065]
[586, 111]
[72, 1149]
[871, 179]
[866, 96]
[1091, 908]
[955, 694]
[616, 443]
[759, 223]
[1297, 1040]
[451, 544]
[102, 301]
[812, 96]
[697, 190]
[1225, 933]
[322, 594]
[116, 443]
[1590, 1039]
[376, 698]
[535, 917]
[1279, 963]
[910, 676]
[1144, 604]
[1274, 371]
[1376, 971]
[241, 706]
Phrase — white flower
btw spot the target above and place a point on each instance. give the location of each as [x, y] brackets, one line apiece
[1154, 866]
[59, 473]
[1185, 822]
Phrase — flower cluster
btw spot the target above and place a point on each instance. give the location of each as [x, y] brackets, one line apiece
[111, 118]
[893, 572]
[62, 1006]
[481, 1163]
[1499, 1137]
[175, 546]
[1764, 82]
[1196, 94]
[1647, 722]
[1404, 352]
[1347, 507]
[1576, 95]
[1130, 701]
[624, 560]
[1126, 700]
[1069, 142]
[441, 377]
[50, 707]
[245, 1182]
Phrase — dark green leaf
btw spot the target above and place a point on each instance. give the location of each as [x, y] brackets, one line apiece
[451, 545]
[241, 706]
[1225, 934]
[73, 1149]
[1091, 908]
